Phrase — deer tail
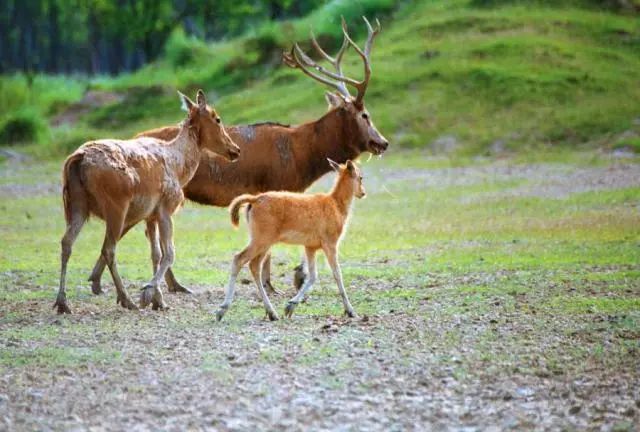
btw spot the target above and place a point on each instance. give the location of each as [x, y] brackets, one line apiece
[70, 179]
[236, 205]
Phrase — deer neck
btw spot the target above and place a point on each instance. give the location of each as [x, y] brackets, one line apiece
[342, 192]
[331, 136]
[185, 154]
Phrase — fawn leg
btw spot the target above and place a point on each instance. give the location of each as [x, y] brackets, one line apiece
[300, 274]
[239, 260]
[73, 229]
[308, 282]
[256, 269]
[332, 258]
[266, 276]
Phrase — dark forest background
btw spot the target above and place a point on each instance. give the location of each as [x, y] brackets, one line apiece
[113, 36]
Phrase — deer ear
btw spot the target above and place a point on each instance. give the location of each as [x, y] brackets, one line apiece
[187, 103]
[333, 164]
[334, 100]
[202, 100]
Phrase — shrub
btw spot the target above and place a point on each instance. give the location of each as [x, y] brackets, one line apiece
[24, 126]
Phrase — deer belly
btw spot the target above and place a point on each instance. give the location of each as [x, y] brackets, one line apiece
[141, 208]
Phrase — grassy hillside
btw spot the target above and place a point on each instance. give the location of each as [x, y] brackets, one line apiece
[451, 76]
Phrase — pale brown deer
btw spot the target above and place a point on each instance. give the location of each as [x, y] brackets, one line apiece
[315, 221]
[125, 182]
[281, 157]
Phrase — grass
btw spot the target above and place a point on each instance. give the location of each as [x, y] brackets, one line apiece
[455, 254]
[521, 76]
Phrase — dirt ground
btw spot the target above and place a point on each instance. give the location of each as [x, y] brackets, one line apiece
[485, 347]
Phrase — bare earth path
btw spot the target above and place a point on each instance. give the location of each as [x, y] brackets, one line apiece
[500, 296]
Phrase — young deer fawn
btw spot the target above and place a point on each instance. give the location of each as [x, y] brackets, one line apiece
[315, 221]
[125, 182]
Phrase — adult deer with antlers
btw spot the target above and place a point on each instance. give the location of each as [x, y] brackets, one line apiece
[125, 182]
[279, 157]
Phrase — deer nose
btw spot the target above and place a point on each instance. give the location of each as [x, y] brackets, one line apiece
[384, 144]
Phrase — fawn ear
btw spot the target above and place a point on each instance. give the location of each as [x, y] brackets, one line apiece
[334, 100]
[351, 167]
[187, 103]
[335, 165]
[202, 101]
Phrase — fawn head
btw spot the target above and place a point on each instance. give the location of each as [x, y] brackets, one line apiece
[352, 173]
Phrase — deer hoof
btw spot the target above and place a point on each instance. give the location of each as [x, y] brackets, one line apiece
[177, 288]
[220, 313]
[96, 288]
[289, 308]
[126, 303]
[350, 313]
[161, 306]
[147, 295]
[63, 307]
[272, 316]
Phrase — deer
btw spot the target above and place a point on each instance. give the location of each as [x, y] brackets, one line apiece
[281, 157]
[124, 182]
[315, 221]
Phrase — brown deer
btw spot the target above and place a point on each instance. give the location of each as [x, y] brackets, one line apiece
[281, 157]
[125, 182]
[314, 221]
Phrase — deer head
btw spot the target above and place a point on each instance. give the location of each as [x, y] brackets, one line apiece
[207, 125]
[368, 137]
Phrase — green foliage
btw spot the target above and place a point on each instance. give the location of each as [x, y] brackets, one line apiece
[182, 50]
[629, 143]
[24, 126]
[617, 5]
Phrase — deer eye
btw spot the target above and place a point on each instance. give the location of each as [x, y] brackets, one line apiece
[365, 116]
[218, 120]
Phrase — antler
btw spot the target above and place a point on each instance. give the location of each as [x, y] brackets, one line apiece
[366, 55]
[297, 59]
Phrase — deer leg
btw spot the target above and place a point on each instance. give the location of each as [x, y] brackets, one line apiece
[115, 221]
[98, 269]
[308, 282]
[256, 269]
[73, 229]
[332, 257]
[266, 276]
[156, 254]
[239, 260]
[151, 232]
[151, 293]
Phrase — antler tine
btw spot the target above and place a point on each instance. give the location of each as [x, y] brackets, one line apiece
[372, 33]
[291, 59]
[318, 48]
[334, 61]
[362, 85]
[338, 58]
[310, 63]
